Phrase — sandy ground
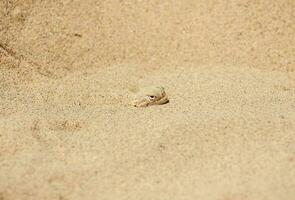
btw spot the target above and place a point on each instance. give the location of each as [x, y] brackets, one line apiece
[69, 70]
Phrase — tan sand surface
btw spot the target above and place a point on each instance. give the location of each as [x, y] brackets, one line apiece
[69, 70]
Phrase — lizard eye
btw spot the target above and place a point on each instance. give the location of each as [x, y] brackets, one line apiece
[152, 97]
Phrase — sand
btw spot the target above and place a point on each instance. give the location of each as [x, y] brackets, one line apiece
[69, 70]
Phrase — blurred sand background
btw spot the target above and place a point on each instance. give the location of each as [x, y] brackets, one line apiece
[69, 68]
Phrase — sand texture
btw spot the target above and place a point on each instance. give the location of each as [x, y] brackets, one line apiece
[69, 70]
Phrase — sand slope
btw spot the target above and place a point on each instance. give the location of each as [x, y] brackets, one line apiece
[226, 134]
[69, 69]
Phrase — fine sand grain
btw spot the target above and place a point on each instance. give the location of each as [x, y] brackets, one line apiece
[69, 70]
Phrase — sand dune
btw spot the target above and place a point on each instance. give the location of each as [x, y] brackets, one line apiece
[68, 73]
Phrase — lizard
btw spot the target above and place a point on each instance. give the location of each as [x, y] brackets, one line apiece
[155, 95]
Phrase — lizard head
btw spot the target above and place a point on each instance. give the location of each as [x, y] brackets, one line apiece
[151, 96]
